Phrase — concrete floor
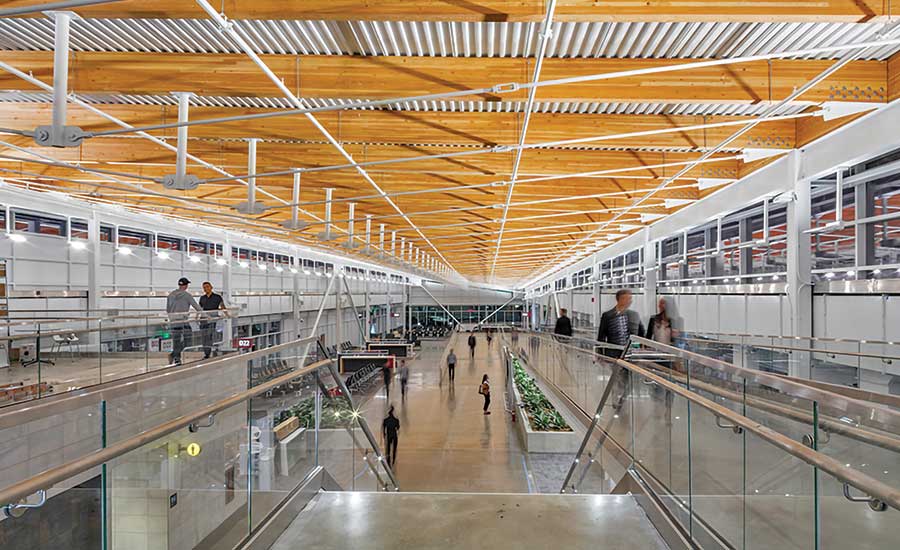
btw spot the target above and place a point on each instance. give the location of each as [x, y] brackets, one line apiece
[446, 443]
[377, 521]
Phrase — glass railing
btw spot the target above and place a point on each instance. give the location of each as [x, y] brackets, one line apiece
[738, 458]
[210, 476]
[44, 358]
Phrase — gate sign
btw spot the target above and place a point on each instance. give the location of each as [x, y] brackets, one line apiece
[245, 343]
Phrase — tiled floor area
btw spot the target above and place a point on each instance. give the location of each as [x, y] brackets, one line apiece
[446, 443]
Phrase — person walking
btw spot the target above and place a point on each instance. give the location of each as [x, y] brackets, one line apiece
[178, 305]
[659, 328]
[563, 324]
[404, 378]
[489, 336]
[472, 342]
[387, 374]
[390, 428]
[210, 302]
[618, 324]
[485, 390]
[451, 365]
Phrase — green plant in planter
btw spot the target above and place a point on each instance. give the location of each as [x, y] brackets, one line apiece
[542, 416]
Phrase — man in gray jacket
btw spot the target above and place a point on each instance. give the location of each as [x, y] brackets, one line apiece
[617, 324]
[178, 305]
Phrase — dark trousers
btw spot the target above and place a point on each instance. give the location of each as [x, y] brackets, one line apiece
[391, 450]
[471, 351]
[387, 385]
[487, 401]
[403, 382]
[182, 336]
[452, 371]
[207, 334]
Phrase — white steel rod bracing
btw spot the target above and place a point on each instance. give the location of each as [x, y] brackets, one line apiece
[545, 34]
[447, 311]
[850, 56]
[74, 98]
[381, 239]
[491, 314]
[227, 28]
[515, 86]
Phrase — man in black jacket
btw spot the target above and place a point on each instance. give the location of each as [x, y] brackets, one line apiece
[617, 324]
[563, 324]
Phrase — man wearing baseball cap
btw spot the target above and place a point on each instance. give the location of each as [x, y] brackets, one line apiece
[178, 304]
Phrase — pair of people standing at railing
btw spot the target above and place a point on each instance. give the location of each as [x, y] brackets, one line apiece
[620, 323]
[178, 305]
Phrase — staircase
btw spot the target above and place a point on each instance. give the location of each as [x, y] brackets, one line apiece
[379, 521]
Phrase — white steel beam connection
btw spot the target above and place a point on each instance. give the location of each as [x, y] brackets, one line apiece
[226, 27]
[546, 33]
[849, 56]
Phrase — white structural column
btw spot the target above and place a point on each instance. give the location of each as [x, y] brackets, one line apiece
[227, 296]
[651, 277]
[799, 265]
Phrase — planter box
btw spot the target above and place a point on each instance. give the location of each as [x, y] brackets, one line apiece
[544, 442]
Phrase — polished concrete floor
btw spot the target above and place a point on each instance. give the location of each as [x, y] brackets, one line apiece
[378, 521]
[446, 444]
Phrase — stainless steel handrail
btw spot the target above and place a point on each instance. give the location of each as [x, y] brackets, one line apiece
[809, 350]
[855, 478]
[196, 316]
[883, 416]
[27, 411]
[810, 338]
[52, 476]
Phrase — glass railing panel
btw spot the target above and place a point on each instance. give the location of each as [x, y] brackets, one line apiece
[661, 441]
[716, 456]
[186, 489]
[779, 499]
[337, 448]
[70, 516]
[283, 424]
[29, 446]
[870, 444]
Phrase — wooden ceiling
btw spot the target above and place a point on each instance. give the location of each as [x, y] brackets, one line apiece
[634, 132]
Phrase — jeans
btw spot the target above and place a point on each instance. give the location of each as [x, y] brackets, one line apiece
[487, 402]
[182, 336]
[452, 371]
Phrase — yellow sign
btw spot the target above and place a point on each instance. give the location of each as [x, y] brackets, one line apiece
[193, 449]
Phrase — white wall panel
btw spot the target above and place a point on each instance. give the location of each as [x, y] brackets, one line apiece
[708, 313]
[764, 315]
[733, 314]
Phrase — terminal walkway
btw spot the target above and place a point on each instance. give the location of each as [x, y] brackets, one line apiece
[446, 443]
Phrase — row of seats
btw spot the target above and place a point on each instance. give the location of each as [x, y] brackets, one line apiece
[363, 379]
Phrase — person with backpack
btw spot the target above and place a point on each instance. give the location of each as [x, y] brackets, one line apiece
[472, 342]
[485, 390]
[451, 365]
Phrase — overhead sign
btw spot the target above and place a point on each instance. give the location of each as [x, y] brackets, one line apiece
[245, 343]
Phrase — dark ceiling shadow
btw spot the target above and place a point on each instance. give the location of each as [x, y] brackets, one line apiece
[744, 85]
[687, 137]
[489, 14]
[431, 78]
[409, 117]
[456, 162]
